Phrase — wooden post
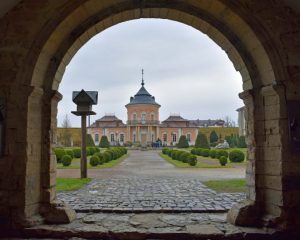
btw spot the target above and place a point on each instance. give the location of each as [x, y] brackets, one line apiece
[83, 162]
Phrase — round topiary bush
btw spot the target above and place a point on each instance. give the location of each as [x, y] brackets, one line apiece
[205, 152]
[173, 154]
[77, 152]
[221, 153]
[59, 153]
[223, 160]
[184, 157]
[198, 151]
[66, 160]
[192, 160]
[94, 160]
[106, 156]
[236, 156]
[70, 153]
[193, 151]
[213, 153]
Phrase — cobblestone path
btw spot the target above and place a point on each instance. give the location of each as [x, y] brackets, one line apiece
[149, 195]
[145, 182]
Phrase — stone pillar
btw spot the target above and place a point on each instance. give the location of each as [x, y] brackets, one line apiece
[52, 210]
[247, 213]
[267, 140]
[83, 162]
[128, 134]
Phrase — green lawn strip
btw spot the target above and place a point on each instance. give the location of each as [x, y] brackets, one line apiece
[227, 185]
[76, 164]
[70, 184]
[180, 164]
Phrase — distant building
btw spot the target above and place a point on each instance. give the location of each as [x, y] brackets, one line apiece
[143, 125]
[241, 121]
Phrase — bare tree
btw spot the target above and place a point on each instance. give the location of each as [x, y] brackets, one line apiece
[66, 132]
[229, 122]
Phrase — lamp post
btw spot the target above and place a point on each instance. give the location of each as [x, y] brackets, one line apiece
[84, 101]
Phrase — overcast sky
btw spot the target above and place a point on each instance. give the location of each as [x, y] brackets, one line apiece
[184, 69]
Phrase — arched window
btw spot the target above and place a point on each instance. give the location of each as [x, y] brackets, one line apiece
[122, 137]
[165, 137]
[188, 137]
[96, 137]
[152, 116]
[112, 137]
[174, 137]
[144, 115]
[134, 116]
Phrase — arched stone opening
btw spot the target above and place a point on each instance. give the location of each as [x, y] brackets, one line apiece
[51, 45]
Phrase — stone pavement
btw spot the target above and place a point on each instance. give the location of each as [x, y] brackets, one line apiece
[152, 226]
[145, 182]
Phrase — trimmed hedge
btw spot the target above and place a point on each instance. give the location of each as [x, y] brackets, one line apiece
[70, 153]
[221, 153]
[180, 155]
[213, 153]
[66, 160]
[236, 156]
[112, 154]
[77, 152]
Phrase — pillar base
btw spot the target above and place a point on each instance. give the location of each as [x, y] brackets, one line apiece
[245, 213]
[58, 212]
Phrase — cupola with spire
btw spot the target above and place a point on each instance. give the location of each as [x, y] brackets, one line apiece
[142, 96]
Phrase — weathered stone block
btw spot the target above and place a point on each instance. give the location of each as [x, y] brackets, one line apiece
[58, 212]
[246, 213]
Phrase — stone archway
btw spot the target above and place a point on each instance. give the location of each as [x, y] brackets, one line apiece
[52, 32]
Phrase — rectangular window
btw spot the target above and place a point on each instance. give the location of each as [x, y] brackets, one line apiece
[174, 137]
[112, 137]
[96, 137]
[121, 137]
[165, 137]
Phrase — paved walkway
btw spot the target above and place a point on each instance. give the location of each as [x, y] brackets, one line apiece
[144, 182]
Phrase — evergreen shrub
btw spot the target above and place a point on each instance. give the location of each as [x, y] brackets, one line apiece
[223, 160]
[104, 143]
[236, 156]
[94, 160]
[69, 152]
[205, 152]
[77, 152]
[66, 160]
[221, 153]
[213, 153]
[201, 141]
[192, 160]
[59, 153]
[183, 143]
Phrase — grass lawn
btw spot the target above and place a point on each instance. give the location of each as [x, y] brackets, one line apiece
[70, 184]
[228, 185]
[76, 164]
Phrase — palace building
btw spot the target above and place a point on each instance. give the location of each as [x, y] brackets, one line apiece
[143, 124]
